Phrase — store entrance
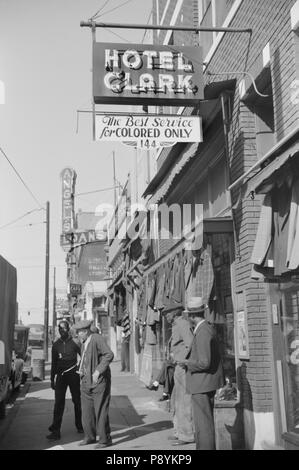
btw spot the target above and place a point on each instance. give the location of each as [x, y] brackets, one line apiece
[285, 318]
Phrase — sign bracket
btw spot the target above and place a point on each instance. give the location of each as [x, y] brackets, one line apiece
[93, 24]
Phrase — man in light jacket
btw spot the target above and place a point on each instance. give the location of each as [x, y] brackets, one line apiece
[95, 385]
[181, 339]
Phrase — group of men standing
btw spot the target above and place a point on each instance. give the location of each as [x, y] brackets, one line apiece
[198, 373]
[89, 382]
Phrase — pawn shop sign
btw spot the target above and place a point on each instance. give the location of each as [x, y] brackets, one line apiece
[143, 74]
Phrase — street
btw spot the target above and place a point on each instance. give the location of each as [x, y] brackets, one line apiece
[138, 420]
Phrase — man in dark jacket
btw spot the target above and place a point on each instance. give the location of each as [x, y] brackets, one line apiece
[204, 374]
[95, 385]
[63, 375]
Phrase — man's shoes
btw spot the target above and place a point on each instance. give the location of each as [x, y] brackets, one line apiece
[85, 442]
[152, 387]
[54, 436]
[80, 430]
[178, 442]
[103, 445]
[164, 397]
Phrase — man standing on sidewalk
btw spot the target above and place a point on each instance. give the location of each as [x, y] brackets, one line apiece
[181, 339]
[95, 385]
[204, 374]
[64, 368]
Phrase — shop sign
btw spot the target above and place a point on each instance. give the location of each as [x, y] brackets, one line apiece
[147, 74]
[78, 238]
[148, 132]
[68, 178]
[75, 289]
[92, 264]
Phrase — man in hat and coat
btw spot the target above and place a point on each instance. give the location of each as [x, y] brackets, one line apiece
[95, 377]
[204, 374]
[181, 339]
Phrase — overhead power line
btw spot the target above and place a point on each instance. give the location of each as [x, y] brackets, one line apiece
[102, 7]
[26, 225]
[113, 9]
[20, 177]
[21, 217]
[117, 35]
[97, 191]
[145, 31]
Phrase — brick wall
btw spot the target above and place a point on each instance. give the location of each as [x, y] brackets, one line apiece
[270, 21]
[237, 52]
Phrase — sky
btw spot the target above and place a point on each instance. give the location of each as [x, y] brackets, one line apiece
[45, 64]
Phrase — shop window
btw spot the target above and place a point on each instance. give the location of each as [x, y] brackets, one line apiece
[290, 334]
[222, 307]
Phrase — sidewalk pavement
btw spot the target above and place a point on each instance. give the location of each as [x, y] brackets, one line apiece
[138, 421]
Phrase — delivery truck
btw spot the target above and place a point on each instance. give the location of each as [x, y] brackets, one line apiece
[8, 309]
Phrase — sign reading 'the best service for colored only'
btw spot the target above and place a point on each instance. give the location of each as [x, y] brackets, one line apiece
[147, 74]
[147, 131]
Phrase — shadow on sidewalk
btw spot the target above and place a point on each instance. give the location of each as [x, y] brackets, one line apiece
[140, 431]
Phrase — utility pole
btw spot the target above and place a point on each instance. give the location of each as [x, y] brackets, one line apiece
[54, 305]
[46, 311]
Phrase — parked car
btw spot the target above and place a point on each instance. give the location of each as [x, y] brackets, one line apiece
[20, 356]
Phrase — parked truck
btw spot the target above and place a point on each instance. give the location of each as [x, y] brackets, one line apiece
[8, 308]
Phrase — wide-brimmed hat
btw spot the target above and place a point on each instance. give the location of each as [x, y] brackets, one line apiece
[172, 306]
[82, 324]
[194, 305]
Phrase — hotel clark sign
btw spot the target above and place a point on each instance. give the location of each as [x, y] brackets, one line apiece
[140, 74]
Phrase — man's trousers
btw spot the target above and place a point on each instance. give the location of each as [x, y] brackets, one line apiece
[203, 418]
[72, 380]
[95, 410]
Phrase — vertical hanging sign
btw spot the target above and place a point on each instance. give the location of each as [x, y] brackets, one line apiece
[68, 178]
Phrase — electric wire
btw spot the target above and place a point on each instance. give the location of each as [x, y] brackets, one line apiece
[148, 20]
[102, 7]
[117, 35]
[26, 225]
[97, 190]
[21, 217]
[20, 177]
[113, 9]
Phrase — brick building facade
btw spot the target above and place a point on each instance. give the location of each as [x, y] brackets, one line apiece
[249, 150]
[259, 114]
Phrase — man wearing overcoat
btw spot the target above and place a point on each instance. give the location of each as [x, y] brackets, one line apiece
[95, 385]
[204, 374]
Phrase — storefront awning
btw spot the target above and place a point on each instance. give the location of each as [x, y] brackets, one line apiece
[186, 155]
[264, 180]
[208, 109]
